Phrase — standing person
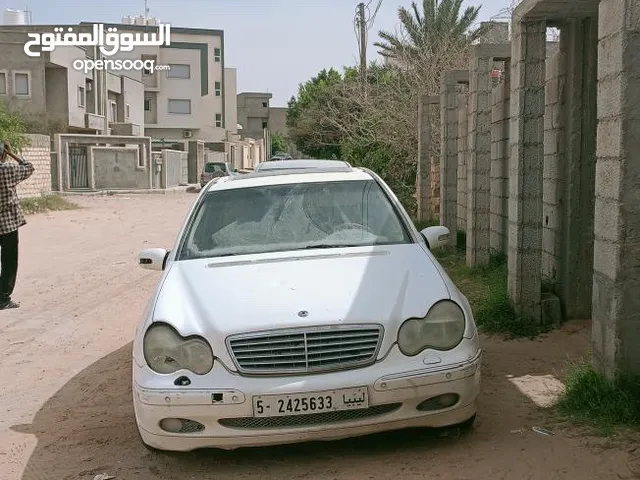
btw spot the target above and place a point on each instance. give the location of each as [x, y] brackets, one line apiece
[11, 219]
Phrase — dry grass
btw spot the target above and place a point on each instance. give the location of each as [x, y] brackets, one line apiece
[46, 203]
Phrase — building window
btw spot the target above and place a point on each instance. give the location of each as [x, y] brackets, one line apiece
[127, 112]
[179, 71]
[265, 104]
[218, 120]
[3, 83]
[114, 112]
[21, 84]
[264, 124]
[146, 72]
[217, 55]
[81, 96]
[179, 106]
[218, 89]
[147, 104]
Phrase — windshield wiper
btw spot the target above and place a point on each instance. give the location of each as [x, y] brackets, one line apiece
[333, 245]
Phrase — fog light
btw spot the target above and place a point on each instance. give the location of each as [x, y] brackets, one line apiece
[437, 403]
[180, 425]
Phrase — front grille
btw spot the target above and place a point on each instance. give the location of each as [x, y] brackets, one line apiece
[308, 350]
[191, 426]
[324, 418]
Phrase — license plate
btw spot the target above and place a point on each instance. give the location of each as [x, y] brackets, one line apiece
[308, 403]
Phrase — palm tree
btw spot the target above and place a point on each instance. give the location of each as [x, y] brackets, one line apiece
[440, 24]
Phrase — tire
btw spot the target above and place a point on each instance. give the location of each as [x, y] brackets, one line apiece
[458, 429]
[467, 424]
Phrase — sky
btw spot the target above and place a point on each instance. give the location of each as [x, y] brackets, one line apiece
[274, 44]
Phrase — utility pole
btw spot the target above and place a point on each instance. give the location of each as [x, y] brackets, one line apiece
[362, 25]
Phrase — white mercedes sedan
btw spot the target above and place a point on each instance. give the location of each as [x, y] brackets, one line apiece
[300, 306]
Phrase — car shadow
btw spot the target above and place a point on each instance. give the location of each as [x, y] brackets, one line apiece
[88, 428]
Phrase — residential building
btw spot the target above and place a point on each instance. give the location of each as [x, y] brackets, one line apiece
[231, 101]
[277, 122]
[52, 96]
[253, 113]
[186, 102]
[253, 119]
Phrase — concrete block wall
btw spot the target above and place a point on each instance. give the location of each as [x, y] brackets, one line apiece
[479, 167]
[570, 218]
[463, 133]
[434, 188]
[119, 168]
[500, 164]
[616, 276]
[38, 153]
[428, 157]
[553, 179]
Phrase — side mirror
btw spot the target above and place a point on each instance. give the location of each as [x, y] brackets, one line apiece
[436, 237]
[153, 259]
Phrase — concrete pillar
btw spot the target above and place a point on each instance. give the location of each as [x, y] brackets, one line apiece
[423, 180]
[500, 163]
[616, 279]
[553, 191]
[478, 196]
[449, 148]
[463, 133]
[526, 165]
[575, 257]
[424, 145]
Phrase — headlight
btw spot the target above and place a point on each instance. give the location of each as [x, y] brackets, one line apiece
[165, 351]
[441, 329]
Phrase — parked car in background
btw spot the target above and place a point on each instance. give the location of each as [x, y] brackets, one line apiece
[301, 306]
[213, 170]
[304, 164]
[280, 156]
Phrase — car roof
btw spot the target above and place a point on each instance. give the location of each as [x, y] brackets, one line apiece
[283, 176]
[299, 164]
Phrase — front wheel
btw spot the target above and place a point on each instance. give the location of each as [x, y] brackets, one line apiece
[467, 424]
[457, 429]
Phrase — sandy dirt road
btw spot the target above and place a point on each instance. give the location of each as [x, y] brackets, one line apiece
[65, 401]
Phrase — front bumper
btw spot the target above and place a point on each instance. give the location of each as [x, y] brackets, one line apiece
[395, 394]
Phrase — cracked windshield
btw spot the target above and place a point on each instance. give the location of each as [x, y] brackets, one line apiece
[293, 217]
[319, 239]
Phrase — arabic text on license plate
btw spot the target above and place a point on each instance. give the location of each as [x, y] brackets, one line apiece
[307, 403]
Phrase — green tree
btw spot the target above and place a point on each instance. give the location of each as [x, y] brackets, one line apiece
[12, 129]
[440, 24]
[278, 144]
[307, 114]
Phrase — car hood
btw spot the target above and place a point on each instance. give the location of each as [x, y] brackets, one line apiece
[222, 296]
